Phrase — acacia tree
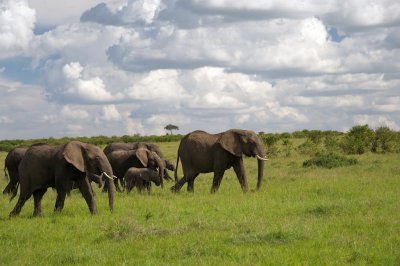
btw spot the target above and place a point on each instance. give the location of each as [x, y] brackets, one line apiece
[171, 127]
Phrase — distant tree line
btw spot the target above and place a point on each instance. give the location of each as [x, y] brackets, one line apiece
[358, 140]
[7, 145]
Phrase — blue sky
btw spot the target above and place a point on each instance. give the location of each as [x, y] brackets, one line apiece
[116, 67]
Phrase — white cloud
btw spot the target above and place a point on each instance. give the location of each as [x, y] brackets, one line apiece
[91, 89]
[133, 11]
[5, 120]
[74, 113]
[135, 66]
[158, 85]
[56, 12]
[376, 121]
[110, 113]
[17, 21]
[74, 83]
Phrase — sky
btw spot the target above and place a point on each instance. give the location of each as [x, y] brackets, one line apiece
[123, 67]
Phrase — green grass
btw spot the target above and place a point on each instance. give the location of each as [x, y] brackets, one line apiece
[301, 216]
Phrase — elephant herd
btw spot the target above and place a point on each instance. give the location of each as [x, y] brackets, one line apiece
[122, 166]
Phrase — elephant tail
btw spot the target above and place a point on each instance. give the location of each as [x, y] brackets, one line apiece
[176, 170]
[5, 172]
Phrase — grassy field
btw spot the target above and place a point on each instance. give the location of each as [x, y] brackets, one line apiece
[301, 216]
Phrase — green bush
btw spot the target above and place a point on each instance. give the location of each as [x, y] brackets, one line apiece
[307, 148]
[385, 140]
[358, 140]
[270, 141]
[329, 160]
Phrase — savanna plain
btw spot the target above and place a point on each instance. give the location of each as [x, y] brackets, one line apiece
[300, 216]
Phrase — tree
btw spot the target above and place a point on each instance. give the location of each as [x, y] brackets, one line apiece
[358, 140]
[171, 127]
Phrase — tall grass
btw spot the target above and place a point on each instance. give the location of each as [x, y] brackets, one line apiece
[301, 216]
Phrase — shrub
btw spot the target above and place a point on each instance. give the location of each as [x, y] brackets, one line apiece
[331, 143]
[270, 141]
[329, 160]
[358, 140]
[385, 140]
[307, 148]
[288, 144]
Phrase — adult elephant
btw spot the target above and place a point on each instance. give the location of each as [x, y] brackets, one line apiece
[202, 152]
[122, 160]
[11, 164]
[45, 166]
[141, 145]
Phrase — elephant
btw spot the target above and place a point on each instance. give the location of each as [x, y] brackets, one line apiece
[141, 178]
[57, 166]
[136, 145]
[202, 152]
[122, 160]
[11, 164]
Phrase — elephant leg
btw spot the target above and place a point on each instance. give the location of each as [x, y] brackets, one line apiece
[166, 175]
[12, 186]
[86, 190]
[20, 203]
[105, 187]
[179, 184]
[241, 174]
[122, 183]
[63, 186]
[190, 183]
[186, 177]
[117, 188]
[37, 199]
[60, 200]
[148, 186]
[217, 180]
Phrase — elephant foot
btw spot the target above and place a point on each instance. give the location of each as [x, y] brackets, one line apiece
[13, 213]
[37, 214]
[175, 189]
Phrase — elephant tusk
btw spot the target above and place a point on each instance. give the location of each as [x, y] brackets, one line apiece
[109, 177]
[261, 158]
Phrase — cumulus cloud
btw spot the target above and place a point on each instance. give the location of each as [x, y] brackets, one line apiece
[17, 21]
[133, 12]
[110, 113]
[135, 66]
[159, 86]
[74, 83]
[74, 113]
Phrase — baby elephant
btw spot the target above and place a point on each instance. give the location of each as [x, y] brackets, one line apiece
[141, 178]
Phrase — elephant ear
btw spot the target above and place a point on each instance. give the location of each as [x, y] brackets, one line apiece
[73, 153]
[142, 155]
[230, 142]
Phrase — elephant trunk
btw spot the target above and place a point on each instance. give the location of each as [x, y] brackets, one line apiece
[161, 169]
[260, 159]
[161, 172]
[109, 179]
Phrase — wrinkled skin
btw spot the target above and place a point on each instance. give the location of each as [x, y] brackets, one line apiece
[115, 146]
[202, 152]
[122, 160]
[45, 166]
[11, 164]
[141, 178]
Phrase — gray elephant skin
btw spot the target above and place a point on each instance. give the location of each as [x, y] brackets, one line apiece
[141, 178]
[57, 166]
[141, 145]
[201, 152]
[11, 164]
[122, 160]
